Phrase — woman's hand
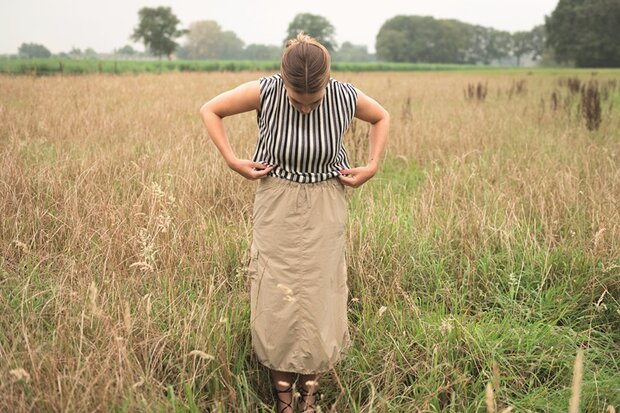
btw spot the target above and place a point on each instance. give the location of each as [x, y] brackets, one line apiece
[250, 169]
[355, 177]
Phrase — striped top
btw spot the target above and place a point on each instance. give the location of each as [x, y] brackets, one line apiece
[302, 147]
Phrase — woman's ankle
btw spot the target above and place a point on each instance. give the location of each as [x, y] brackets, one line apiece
[309, 392]
[283, 390]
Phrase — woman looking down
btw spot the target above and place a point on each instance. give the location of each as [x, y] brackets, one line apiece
[298, 278]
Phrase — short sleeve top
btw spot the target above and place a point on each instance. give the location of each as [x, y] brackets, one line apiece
[309, 147]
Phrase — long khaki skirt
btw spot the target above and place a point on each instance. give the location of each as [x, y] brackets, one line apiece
[298, 278]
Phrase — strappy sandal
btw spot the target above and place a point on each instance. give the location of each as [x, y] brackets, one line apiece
[277, 393]
[304, 402]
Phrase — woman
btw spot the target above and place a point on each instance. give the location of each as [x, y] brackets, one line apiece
[297, 269]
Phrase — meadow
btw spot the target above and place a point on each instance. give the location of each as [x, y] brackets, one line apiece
[483, 259]
[66, 66]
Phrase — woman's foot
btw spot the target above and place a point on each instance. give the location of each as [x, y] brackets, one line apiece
[309, 391]
[283, 390]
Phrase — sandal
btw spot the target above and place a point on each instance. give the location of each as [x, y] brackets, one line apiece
[288, 405]
[304, 394]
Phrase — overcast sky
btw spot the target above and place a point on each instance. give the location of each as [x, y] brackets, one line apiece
[107, 24]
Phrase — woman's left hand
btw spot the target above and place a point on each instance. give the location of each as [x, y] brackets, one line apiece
[355, 177]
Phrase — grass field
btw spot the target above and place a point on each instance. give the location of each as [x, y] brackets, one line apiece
[483, 258]
[56, 66]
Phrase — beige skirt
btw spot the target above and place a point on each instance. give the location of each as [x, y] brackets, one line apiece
[298, 278]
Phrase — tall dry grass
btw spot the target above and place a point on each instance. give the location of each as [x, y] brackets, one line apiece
[486, 250]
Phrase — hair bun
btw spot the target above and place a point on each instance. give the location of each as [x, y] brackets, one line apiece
[301, 38]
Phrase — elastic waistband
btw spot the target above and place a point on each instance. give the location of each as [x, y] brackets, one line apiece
[271, 182]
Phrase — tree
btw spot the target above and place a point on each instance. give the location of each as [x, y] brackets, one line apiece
[90, 53]
[181, 52]
[349, 52]
[478, 42]
[538, 38]
[201, 39]
[31, 50]
[231, 45]
[487, 45]
[75, 52]
[126, 50]
[316, 26]
[521, 45]
[392, 45]
[499, 45]
[453, 42]
[206, 40]
[530, 43]
[425, 39]
[157, 29]
[403, 39]
[262, 52]
[585, 32]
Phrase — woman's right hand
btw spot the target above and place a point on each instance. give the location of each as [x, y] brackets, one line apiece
[250, 169]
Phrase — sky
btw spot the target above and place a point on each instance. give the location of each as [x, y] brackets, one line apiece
[105, 25]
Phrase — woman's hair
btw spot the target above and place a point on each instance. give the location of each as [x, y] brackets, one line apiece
[305, 65]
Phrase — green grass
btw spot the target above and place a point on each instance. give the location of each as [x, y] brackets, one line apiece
[41, 67]
[53, 66]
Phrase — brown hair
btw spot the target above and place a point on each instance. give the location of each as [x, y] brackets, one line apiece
[305, 65]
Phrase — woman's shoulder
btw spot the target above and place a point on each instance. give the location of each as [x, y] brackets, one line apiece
[275, 79]
[270, 86]
[342, 87]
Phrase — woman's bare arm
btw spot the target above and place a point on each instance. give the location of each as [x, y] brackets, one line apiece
[370, 111]
[243, 98]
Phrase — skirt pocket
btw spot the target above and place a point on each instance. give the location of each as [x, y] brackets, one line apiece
[252, 268]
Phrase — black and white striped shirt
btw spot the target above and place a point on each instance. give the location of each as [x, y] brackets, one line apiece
[303, 147]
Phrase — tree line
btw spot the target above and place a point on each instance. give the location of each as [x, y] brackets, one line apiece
[425, 39]
[582, 33]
